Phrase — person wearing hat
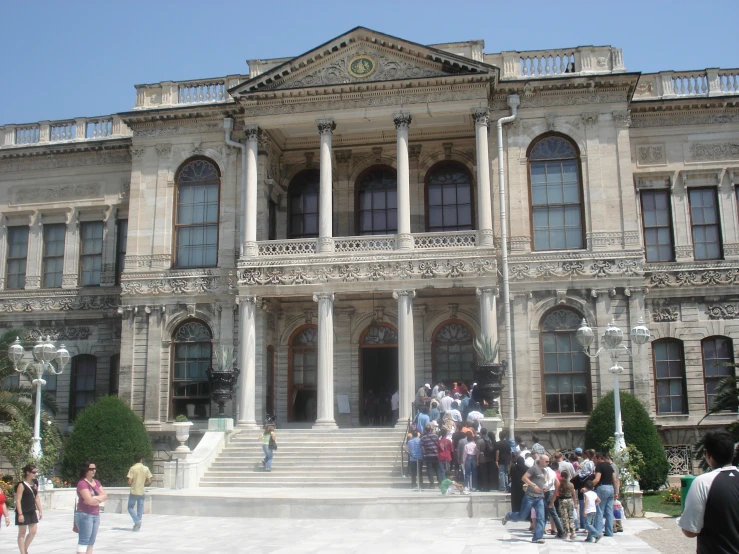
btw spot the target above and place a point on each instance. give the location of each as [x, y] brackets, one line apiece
[422, 394]
[578, 452]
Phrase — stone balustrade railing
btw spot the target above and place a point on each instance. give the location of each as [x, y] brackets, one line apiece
[536, 64]
[72, 130]
[183, 93]
[686, 84]
[368, 243]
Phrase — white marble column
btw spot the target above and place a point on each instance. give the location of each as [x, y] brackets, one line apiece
[246, 386]
[405, 239]
[488, 315]
[484, 203]
[325, 377]
[250, 218]
[325, 207]
[406, 366]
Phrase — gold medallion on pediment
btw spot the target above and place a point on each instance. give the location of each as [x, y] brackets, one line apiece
[362, 66]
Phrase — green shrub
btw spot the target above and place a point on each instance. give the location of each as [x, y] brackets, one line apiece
[110, 434]
[638, 430]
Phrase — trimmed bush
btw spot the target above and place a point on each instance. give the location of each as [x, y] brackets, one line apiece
[638, 430]
[110, 434]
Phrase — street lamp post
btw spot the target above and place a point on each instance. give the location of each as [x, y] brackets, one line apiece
[43, 354]
[612, 338]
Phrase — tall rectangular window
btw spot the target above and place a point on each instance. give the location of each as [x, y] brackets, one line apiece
[120, 252]
[657, 226]
[54, 254]
[91, 252]
[82, 393]
[669, 376]
[705, 223]
[17, 256]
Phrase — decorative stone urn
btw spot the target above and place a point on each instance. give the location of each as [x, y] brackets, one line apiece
[489, 379]
[222, 385]
[182, 433]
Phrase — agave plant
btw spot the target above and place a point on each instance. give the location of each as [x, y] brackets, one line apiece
[487, 351]
[224, 358]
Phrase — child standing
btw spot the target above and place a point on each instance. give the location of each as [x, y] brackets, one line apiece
[591, 501]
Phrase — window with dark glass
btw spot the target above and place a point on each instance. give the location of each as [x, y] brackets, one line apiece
[566, 368]
[82, 392]
[705, 224]
[120, 249]
[17, 257]
[657, 226]
[192, 357]
[302, 201]
[718, 364]
[91, 252]
[53, 264]
[272, 209]
[196, 221]
[449, 198]
[453, 357]
[113, 378]
[377, 202]
[669, 376]
[556, 199]
[51, 384]
[302, 375]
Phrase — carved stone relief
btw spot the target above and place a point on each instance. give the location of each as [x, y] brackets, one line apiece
[723, 311]
[65, 333]
[66, 160]
[58, 303]
[662, 314]
[715, 151]
[59, 193]
[652, 154]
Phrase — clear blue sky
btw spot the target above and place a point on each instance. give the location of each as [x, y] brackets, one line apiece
[81, 58]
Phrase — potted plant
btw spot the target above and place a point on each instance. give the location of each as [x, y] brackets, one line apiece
[182, 432]
[488, 373]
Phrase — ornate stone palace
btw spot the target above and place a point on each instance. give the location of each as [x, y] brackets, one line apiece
[334, 217]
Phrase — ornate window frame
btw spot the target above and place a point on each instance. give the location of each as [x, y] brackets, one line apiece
[682, 378]
[730, 371]
[292, 349]
[436, 345]
[74, 392]
[438, 167]
[198, 399]
[301, 180]
[358, 189]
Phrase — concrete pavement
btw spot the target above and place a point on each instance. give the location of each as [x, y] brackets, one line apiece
[186, 534]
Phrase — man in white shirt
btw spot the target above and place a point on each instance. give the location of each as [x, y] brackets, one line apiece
[394, 403]
[475, 415]
[712, 506]
[445, 403]
[550, 492]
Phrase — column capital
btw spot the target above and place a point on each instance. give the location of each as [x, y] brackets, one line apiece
[252, 132]
[326, 126]
[402, 120]
[481, 115]
[322, 296]
[398, 294]
[484, 290]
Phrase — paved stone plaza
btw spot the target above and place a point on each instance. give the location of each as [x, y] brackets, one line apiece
[233, 535]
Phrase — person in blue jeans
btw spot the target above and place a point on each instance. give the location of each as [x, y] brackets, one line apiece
[535, 479]
[591, 503]
[606, 487]
[503, 460]
[139, 476]
[267, 437]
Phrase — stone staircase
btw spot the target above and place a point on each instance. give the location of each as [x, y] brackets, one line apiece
[357, 457]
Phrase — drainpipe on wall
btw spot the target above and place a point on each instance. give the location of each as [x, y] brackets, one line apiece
[228, 125]
[513, 101]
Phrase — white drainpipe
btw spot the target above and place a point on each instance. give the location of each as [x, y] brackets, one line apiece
[228, 125]
[513, 101]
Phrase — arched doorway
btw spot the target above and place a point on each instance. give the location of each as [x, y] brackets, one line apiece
[378, 373]
[302, 374]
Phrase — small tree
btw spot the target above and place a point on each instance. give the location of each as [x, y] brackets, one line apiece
[639, 431]
[726, 400]
[110, 434]
[16, 446]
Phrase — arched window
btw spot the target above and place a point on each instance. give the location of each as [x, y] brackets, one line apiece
[449, 205]
[565, 367]
[453, 356]
[302, 203]
[669, 376]
[377, 202]
[556, 194]
[82, 388]
[303, 370]
[717, 351]
[196, 215]
[192, 357]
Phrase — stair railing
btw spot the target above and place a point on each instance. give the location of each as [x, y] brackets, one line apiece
[408, 428]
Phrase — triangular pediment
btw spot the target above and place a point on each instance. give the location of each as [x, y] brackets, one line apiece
[362, 56]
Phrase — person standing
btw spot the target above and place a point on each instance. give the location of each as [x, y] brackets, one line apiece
[483, 463]
[470, 463]
[415, 458]
[430, 448]
[90, 494]
[138, 476]
[551, 488]
[591, 503]
[566, 505]
[4, 508]
[535, 479]
[503, 459]
[27, 503]
[421, 396]
[606, 487]
[268, 446]
[712, 505]
[394, 405]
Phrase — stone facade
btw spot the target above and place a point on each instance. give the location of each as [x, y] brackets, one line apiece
[361, 101]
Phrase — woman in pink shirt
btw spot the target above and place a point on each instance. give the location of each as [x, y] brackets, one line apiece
[90, 494]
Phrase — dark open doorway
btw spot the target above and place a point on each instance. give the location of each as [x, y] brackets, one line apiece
[379, 374]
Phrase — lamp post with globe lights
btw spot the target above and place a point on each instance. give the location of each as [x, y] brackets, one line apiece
[611, 339]
[44, 352]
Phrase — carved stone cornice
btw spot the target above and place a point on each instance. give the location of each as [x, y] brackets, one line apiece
[590, 268]
[692, 275]
[57, 160]
[684, 117]
[61, 300]
[175, 128]
[565, 97]
[57, 334]
[178, 282]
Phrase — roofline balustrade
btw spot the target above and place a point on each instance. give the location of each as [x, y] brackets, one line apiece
[560, 62]
[186, 93]
[702, 83]
[65, 131]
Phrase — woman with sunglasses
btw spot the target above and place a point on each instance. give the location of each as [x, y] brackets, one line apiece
[27, 502]
[90, 494]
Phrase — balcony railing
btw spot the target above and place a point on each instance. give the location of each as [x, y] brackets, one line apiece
[687, 84]
[583, 60]
[71, 130]
[182, 93]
